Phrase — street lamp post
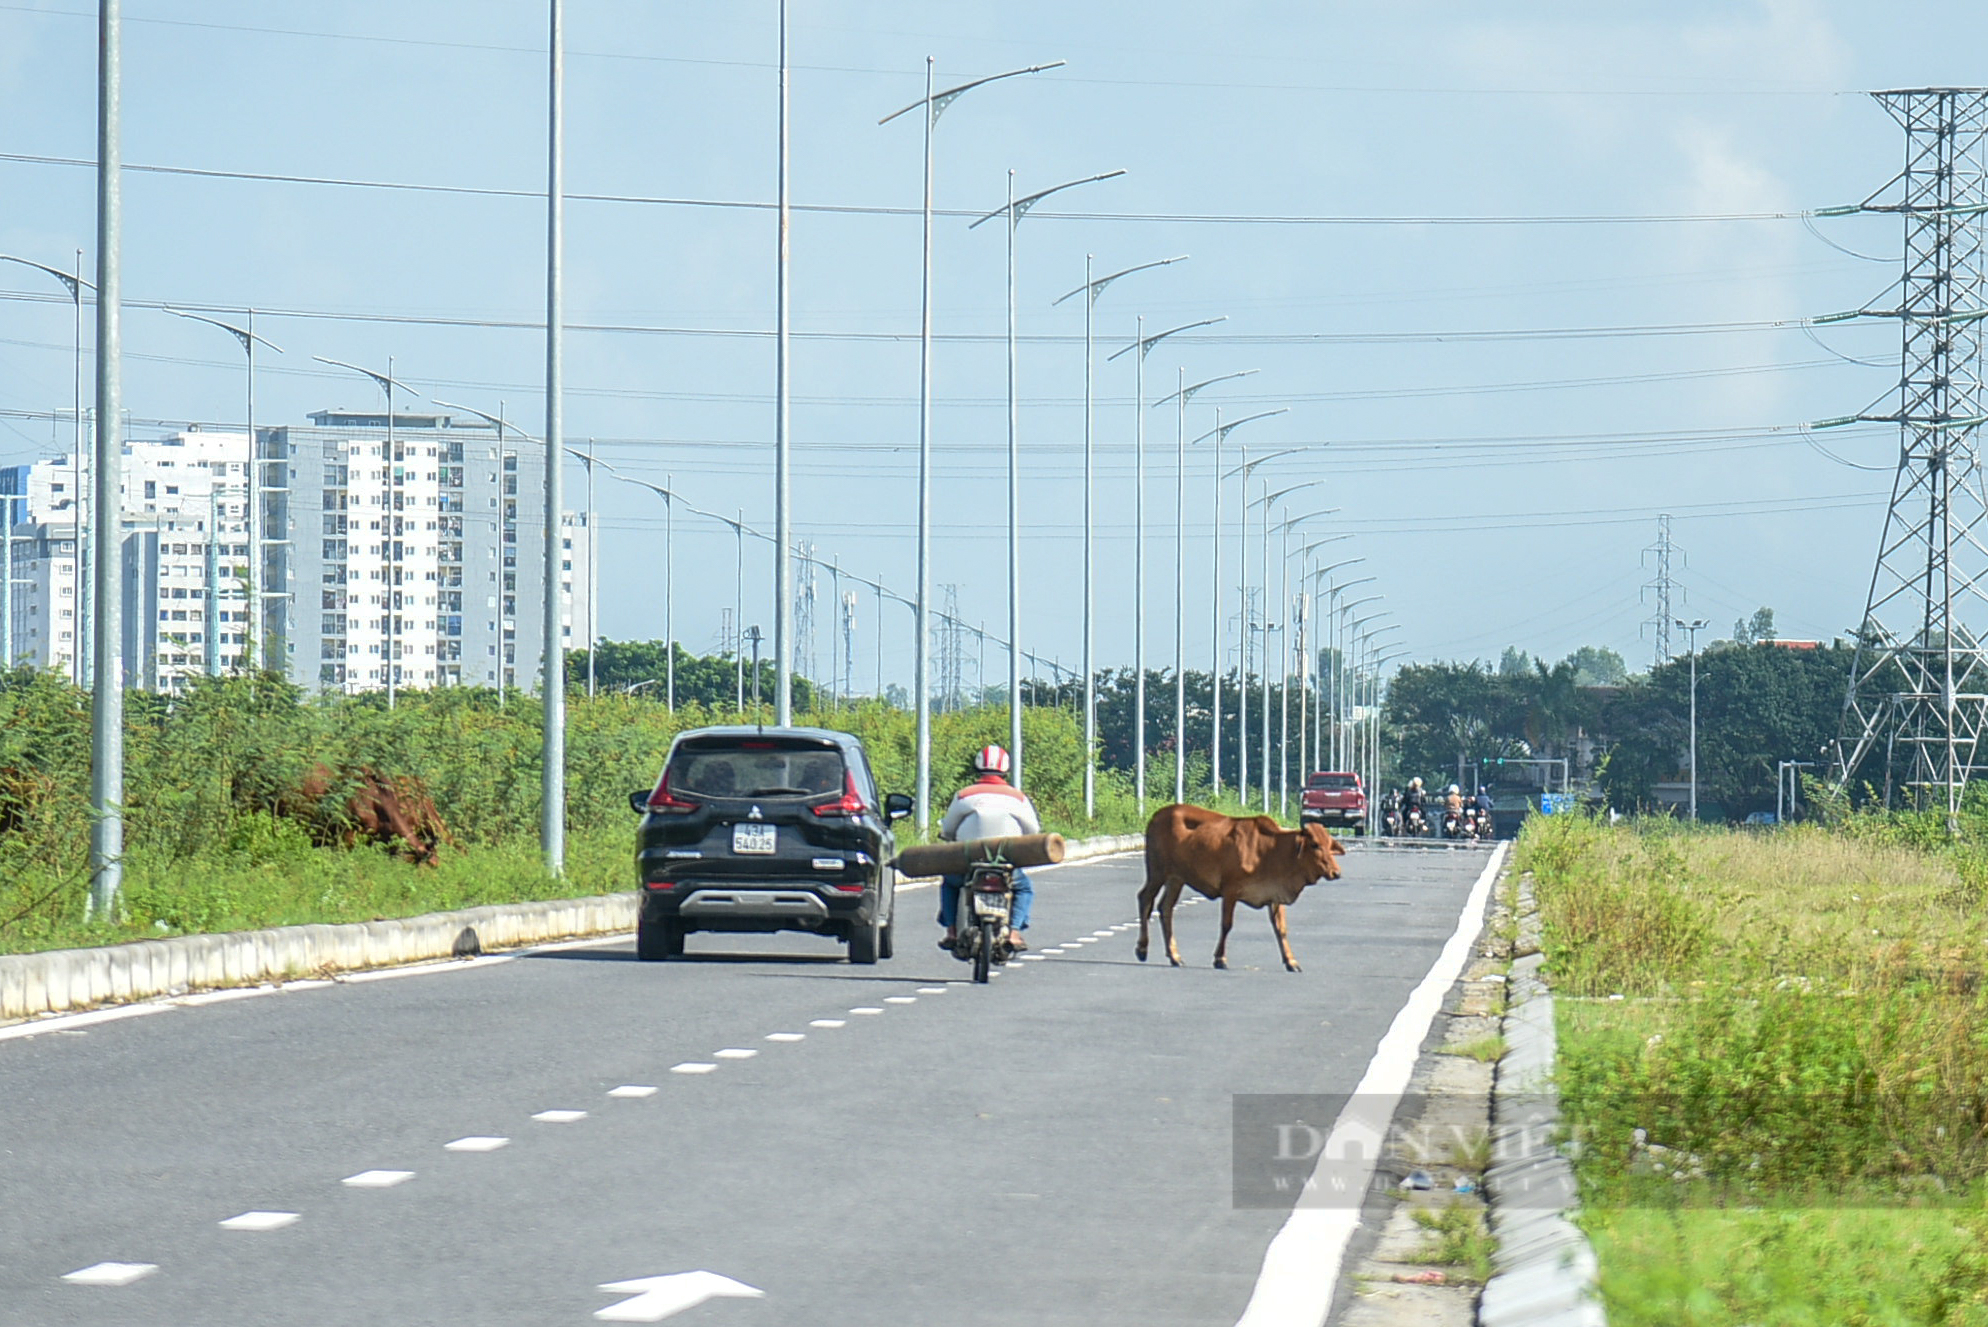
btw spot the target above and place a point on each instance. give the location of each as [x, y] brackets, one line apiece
[505, 649]
[258, 634]
[552, 764]
[1693, 628]
[1180, 398]
[107, 696]
[667, 493]
[1267, 499]
[1220, 434]
[934, 104]
[1143, 344]
[783, 567]
[1014, 210]
[1336, 645]
[1308, 584]
[1294, 645]
[79, 640]
[1244, 625]
[1090, 290]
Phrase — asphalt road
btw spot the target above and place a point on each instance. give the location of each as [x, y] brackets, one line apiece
[1053, 1148]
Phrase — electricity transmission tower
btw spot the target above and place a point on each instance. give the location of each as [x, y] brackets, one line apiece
[1918, 689]
[848, 641]
[952, 652]
[1663, 588]
[804, 659]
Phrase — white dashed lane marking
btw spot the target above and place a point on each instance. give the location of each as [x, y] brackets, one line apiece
[692, 1067]
[378, 1179]
[631, 1091]
[828, 1022]
[786, 1036]
[559, 1116]
[931, 990]
[110, 1273]
[477, 1143]
[260, 1221]
[866, 1009]
[735, 1053]
[900, 999]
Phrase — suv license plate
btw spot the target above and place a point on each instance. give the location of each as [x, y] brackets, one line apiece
[760, 840]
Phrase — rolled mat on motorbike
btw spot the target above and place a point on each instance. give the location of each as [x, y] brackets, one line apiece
[954, 858]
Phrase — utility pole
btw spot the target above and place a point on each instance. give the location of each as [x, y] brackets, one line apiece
[1693, 628]
[107, 697]
[1918, 688]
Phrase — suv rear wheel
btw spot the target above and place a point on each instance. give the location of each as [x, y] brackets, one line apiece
[866, 943]
[657, 940]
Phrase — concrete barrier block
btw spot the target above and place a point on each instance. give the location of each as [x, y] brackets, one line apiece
[99, 987]
[13, 989]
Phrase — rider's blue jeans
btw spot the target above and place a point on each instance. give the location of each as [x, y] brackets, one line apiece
[949, 887]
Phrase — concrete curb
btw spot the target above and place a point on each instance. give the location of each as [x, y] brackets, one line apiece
[63, 981]
[1546, 1272]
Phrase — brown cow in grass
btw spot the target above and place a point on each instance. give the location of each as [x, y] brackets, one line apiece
[394, 811]
[1252, 860]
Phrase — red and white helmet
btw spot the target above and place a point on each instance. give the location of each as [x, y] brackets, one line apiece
[991, 760]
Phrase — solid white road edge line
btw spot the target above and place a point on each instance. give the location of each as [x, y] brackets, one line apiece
[1301, 1266]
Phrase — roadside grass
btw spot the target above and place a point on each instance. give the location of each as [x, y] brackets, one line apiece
[1458, 1237]
[1772, 1053]
[1488, 1049]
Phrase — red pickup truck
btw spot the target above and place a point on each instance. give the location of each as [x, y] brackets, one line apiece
[1334, 798]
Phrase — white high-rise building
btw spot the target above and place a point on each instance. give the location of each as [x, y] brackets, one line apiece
[185, 560]
[419, 554]
[422, 556]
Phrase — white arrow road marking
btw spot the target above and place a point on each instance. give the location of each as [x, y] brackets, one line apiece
[692, 1067]
[378, 1179]
[632, 1090]
[559, 1116]
[260, 1221]
[477, 1143]
[828, 1022]
[111, 1273]
[658, 1297]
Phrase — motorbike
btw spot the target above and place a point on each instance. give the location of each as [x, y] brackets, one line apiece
[987, 901]
[1391, 822]
[1416, 824]
[1473, 828]
[1452, 824]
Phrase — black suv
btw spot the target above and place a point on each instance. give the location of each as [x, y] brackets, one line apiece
[766, 829]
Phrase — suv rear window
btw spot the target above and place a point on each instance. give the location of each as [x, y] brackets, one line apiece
[756, 769]
[1334, 782]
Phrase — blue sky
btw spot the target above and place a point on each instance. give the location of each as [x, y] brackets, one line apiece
[1501, 486]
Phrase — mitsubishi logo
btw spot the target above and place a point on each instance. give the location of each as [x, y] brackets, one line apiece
[755, 814]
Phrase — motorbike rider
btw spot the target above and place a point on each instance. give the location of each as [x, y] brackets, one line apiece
[1484, 803]
[988, 808]
[1453, 800]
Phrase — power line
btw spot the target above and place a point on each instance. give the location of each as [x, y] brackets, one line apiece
[877, 210]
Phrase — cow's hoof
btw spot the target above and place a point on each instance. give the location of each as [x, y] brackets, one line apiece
[1222, 963]
[1173, 960]
[1292, 967]
[1140, 953]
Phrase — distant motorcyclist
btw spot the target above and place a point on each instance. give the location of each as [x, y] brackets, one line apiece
[1453, 800]
[1412, 799]
[988, 808]
[1483, 801]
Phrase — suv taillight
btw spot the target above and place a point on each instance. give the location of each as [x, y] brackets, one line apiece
[851, 802]
[663, 801]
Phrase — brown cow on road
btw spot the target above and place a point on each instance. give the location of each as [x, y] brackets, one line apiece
[1252, 860]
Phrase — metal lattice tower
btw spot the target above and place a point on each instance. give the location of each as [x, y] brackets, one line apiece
[848, 641]
[952, 653]
[1915, 699]
[1663, 589]
[804, 658]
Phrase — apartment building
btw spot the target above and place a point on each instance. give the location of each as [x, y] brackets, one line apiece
[407, 557]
